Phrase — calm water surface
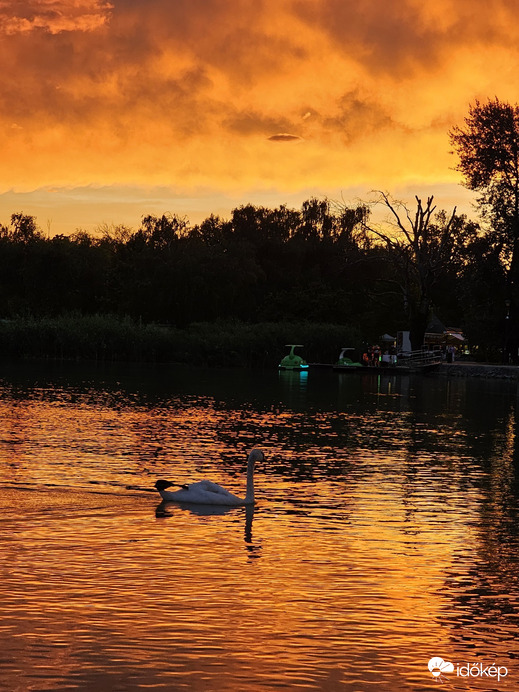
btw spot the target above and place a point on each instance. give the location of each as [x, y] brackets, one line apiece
[385, 531]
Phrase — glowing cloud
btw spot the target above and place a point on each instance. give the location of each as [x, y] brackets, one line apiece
[193, 94]
[53, 16]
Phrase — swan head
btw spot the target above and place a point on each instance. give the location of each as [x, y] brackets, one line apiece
[256, 455]
[162, 485]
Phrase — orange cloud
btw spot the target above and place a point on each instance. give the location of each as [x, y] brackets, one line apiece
[54, 16]
[194, 93]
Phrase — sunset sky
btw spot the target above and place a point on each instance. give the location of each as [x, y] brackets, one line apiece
[112, 109]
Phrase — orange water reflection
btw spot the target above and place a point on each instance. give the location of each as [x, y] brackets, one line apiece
[384, 534]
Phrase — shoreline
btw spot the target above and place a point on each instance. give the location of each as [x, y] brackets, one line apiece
[468, 369]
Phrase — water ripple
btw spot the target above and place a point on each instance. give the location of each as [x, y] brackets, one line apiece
[385, 532]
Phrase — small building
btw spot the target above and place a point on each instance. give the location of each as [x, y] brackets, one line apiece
[438, 336]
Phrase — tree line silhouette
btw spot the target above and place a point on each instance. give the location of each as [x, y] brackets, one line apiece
[323, 263]
[317, 264]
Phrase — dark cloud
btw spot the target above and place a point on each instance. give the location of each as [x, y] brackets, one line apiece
[155, 59]
[255, 123]
[404, 37]
[284, 137]
[385, 35]
[358, 116]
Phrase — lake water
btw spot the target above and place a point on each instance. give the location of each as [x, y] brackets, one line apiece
[385, 531]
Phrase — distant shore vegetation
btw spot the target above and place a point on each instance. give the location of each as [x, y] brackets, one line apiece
[219, 344]
[235, 291]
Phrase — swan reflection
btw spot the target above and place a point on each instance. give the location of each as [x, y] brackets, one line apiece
[164, 509]
[167, 509]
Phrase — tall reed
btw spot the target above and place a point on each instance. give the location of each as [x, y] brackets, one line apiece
[221, 343]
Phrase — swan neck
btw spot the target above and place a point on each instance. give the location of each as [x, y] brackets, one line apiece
[249, 495]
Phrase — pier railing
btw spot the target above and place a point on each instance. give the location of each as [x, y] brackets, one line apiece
[420, 359]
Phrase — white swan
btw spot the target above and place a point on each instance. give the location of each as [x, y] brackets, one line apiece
[208, 493]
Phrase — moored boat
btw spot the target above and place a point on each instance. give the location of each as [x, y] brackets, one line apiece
[420, 361]
[293, 361]
[344, 362]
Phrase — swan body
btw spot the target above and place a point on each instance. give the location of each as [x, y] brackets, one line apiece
[209, 493]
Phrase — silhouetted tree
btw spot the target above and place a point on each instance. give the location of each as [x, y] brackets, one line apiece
[481, 287]
[24, 228]
[421, 248]
[488, 149]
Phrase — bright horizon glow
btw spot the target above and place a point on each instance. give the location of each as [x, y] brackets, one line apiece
[112, 110]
